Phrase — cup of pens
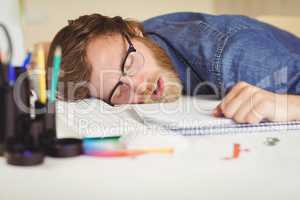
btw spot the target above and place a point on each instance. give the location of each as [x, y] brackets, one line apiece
[29, 117]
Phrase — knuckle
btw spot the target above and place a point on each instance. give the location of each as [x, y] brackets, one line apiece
[257, 97]
[228, 113]
[238, 119]
[248, 90]
[251, 118]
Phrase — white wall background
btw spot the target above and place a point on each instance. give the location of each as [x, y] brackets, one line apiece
[44, 18]
[10, 17]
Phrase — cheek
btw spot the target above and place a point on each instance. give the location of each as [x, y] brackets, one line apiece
[148, 73]
[102, 85]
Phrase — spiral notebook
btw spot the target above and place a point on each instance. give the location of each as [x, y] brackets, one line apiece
[193, 116]
[94, 118]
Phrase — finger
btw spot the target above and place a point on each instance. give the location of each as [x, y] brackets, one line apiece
[217, 112]
[243, 110]
[239, 108]
[232, 107]
[233, 93]
[257, 113]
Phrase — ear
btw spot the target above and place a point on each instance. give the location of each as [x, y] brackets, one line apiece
[135, 27]
[138, 32]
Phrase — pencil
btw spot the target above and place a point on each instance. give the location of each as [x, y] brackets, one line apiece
[158, 150]
[130, 152]
[55, 73]
[42, 79]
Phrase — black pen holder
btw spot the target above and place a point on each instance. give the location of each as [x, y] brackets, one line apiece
[2, 108]
[21, 134]
[28, 132]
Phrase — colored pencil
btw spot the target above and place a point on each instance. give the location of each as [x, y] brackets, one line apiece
[55, 73]
[42, 74]
[130, 153]
[27, 60]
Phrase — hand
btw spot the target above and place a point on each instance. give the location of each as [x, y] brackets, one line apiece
[246, 103]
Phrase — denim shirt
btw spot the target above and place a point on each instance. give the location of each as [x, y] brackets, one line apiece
[212, 53]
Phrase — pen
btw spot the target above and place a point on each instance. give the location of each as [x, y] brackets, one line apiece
[55, 73]
[42, 79]
[27, 60]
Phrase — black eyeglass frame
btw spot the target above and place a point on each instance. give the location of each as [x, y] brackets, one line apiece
[129, 50]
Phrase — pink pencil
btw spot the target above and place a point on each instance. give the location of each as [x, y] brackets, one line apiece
[130, 153]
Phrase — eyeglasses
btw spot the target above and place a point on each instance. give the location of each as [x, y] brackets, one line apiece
[131, 64]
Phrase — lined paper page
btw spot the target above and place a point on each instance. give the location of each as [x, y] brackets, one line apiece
[186, 113]
[94, 118]
[193, 116]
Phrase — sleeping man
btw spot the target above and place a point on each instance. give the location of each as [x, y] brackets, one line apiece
[254, 67]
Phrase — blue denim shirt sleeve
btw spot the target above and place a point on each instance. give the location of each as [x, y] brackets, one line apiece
[257, 56]
[223, 50]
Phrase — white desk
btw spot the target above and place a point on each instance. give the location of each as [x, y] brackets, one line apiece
[199, 172]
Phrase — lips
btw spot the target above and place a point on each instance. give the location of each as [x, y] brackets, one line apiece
[158, 92]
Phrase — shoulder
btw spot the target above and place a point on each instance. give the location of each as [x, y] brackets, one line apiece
[177, 16]
[227, 24]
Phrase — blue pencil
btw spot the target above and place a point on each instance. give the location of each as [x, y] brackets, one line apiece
[27, 61]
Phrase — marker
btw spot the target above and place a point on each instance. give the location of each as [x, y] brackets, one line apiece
[42, 73]
[11, 75]
[55, 73]
[27, 60]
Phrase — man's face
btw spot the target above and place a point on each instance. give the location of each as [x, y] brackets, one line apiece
[153, 78]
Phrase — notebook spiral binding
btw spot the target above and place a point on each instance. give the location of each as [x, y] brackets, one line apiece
[226, 129]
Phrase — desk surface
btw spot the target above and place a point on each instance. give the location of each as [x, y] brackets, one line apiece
[198, 172]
